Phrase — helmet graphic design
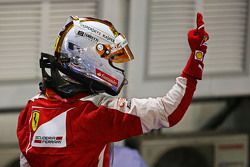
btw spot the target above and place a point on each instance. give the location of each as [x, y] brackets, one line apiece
[86, 49]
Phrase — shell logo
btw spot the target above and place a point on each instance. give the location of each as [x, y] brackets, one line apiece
[198, 55]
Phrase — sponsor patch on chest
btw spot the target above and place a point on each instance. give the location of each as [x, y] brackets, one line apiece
[51, 133]
[48, 139]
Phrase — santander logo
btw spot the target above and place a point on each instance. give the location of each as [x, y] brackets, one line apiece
[107, 77]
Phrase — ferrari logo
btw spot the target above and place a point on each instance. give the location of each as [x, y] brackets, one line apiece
[35, 119]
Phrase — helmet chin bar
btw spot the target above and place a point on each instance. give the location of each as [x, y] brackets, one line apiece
[65, 88]
[55, 81]
[92, 85]
[125, 81]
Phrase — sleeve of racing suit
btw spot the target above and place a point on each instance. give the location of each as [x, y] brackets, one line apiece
[125, 118]
[116, 119]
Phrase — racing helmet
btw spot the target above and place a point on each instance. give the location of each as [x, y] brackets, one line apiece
[86, 50]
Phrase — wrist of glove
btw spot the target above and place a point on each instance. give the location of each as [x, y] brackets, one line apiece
[197, 41]
[194, 68]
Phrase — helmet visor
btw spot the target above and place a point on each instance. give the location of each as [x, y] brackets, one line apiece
[121, 52]
[123, 55]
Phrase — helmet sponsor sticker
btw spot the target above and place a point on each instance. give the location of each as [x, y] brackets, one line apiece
[89, 36]
[108, 38]
[91, 29]
[35, 119]
[107, 77]
[88, 29]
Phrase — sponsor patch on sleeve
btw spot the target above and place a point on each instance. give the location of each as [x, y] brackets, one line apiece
[199, 55]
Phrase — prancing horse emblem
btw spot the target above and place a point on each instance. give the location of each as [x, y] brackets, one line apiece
[35, 119]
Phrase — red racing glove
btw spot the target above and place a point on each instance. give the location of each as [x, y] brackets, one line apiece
[197, 41]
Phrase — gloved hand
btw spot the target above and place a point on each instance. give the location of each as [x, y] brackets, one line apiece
[197, 41]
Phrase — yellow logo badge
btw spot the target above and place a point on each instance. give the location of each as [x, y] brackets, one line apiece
[35, 119]
[198, 55]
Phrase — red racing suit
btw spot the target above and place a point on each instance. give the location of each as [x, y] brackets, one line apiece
[77, 131]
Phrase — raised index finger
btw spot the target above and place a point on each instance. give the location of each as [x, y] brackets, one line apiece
[200, 24]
